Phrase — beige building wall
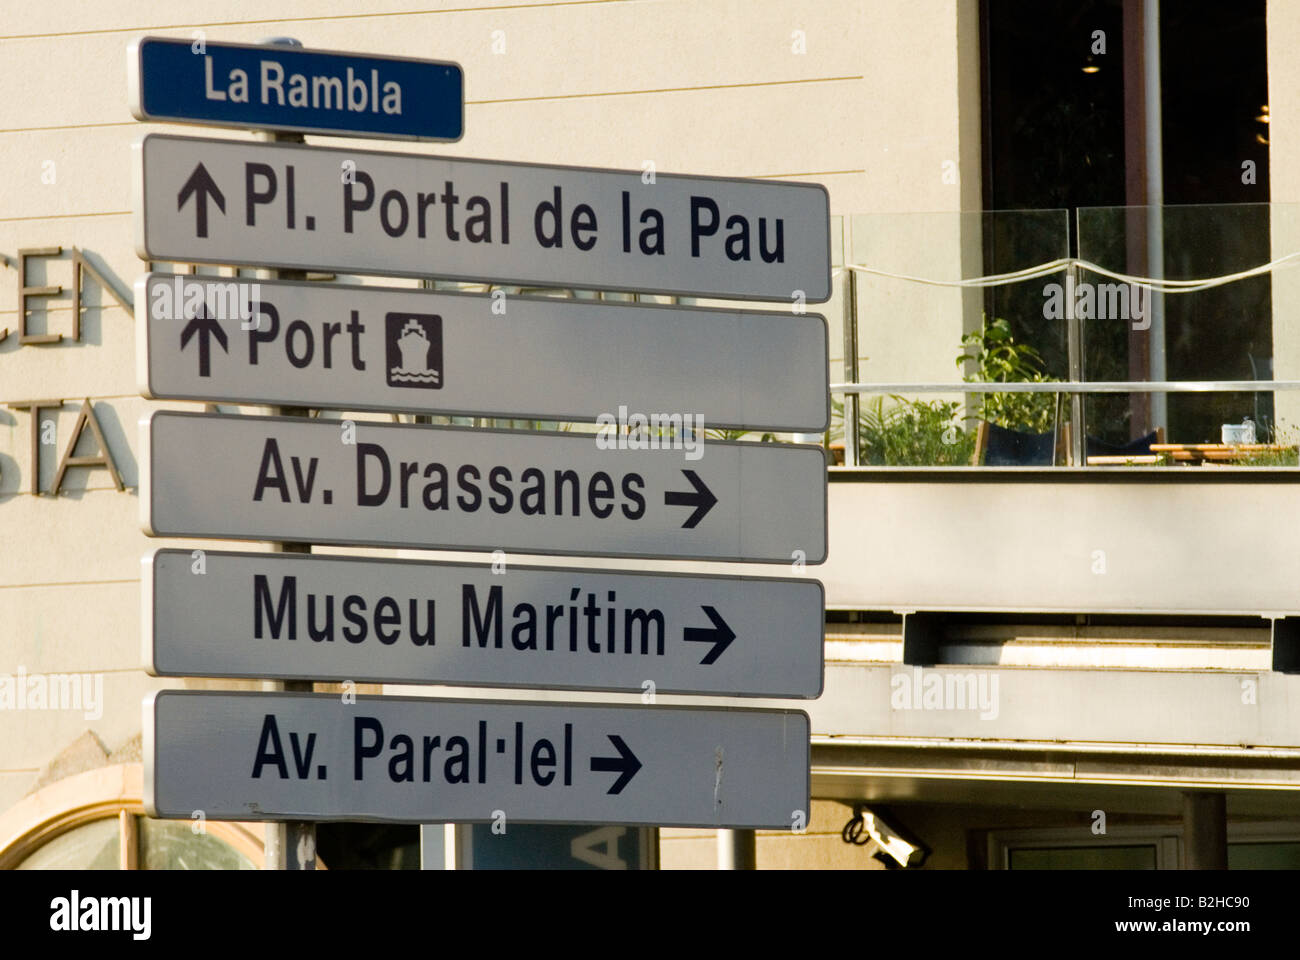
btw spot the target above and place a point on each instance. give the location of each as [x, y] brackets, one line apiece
[819, 847]
[910, 332]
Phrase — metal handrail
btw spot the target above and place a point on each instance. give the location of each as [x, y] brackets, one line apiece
[1075, 386]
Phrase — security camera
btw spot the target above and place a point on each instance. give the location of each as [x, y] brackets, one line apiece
[893, 847]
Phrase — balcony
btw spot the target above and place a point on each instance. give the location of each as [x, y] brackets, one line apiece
[1164, 341]
[1138, 449]
[1048, 503]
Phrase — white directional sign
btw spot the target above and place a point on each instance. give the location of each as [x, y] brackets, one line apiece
[403, 214]
[552, 493]
[373, 348]
[256, 756]
[225, 614]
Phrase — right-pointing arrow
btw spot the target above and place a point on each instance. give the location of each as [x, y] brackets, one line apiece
[701, 498]
[202, 186]
[626, 764]
[720, 635]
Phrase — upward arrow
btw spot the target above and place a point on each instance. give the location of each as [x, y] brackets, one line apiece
[202, 186]
[701, 498]
[625, 764]
[206, 328]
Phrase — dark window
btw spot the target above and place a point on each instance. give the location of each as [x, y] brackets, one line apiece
[1064, 127]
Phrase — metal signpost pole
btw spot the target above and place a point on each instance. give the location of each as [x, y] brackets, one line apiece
[736, 850]
[290, 845]
[852, 401]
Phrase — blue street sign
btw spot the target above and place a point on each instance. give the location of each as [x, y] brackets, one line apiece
[271, 87]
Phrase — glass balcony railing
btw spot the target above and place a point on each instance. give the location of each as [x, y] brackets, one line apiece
[978, 339]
